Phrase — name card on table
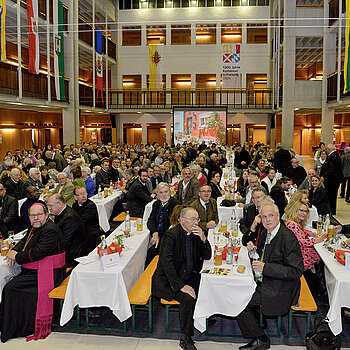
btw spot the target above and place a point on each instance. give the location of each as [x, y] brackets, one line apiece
[347, 262]
[110, 260]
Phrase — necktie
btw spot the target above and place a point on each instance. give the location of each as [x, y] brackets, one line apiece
[268, 237]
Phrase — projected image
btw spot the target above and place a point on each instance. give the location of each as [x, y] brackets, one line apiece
[198, 126]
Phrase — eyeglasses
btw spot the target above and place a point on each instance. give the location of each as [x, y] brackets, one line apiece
[193, 219]
[36, 215]
[205, 191]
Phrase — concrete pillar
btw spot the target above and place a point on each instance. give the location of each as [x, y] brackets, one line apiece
[168, 132]
[218, 34]
[70, 119]
[168, 34]
[268, 129]
[288, 74]
[144, 132]
[193, 34]
[143, 35]
[329, 66]
[244, 33]
[243, 132]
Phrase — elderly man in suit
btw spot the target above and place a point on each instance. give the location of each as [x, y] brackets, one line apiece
[277, 275]
[177, 276]
[33, 179]
[64, 188]
[103, 177]
[188, 188]
[9, 219]
[206, 208]
[345, 163]
[332, 176]
[14, 185]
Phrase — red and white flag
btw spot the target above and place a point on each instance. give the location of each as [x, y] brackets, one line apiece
[33, 36]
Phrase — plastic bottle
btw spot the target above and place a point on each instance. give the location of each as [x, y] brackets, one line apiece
[255, 256]
[99, 193]
[319, 224]
[229, 254]
[127, 221]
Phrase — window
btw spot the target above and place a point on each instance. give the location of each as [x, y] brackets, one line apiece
[131, 36]
[257, 33]
[156, 35]
[231, 33]
[180, 34]
[205, 34]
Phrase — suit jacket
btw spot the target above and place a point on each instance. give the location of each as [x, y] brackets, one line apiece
[297, 175]
[330, 170]
[59, 160]
[9, 219]
[72, 228]
[345, 162]
[89, 216]
[282, 271]
[243, 156]
[282, 160]
[249, 214]
[15, 190]
[215, 190]
[171, 270]
[319, 199]
[102, 179]
[152, 220]
[32, 182]
[137, 199]
[278, 195]
[66, 191]
[113, 174]
[206, 216]
[191, 191]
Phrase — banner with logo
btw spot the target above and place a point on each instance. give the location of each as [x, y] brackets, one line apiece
[99, 65]
[155, 66]
[58, 44]
[2, 30]
[33, 36]
[231, 71]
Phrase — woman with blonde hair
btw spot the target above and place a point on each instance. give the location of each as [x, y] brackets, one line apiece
[299, 195]
[296, 219]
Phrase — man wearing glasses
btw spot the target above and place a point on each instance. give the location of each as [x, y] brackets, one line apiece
[9, 219]
[182, 251]
[207, 209]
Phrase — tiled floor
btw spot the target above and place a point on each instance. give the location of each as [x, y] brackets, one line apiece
[95, 342]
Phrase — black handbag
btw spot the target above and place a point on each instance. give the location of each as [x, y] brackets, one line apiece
[228, 203]
[322, 337]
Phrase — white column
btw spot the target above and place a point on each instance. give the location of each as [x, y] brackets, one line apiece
[168, 132]
[144, 132]
[193, 34]
[143, 35]
[243, 132]
[70, 121]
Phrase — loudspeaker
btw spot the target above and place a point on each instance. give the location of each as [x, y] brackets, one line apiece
[113, 121]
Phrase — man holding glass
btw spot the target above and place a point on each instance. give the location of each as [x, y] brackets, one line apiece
[277, 274]
[182, 251]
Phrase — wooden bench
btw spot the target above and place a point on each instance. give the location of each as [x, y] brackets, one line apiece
[169, 306]
[121, 217]
[59, 293]
[306, 305]
[140, 295]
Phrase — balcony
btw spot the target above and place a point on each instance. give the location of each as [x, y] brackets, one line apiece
[332, 86]
[168, 98]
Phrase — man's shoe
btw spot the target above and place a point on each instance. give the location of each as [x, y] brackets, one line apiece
[256, 344]
[187, 344]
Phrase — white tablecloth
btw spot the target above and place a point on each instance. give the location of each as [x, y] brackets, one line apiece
[225, 213]
[228, 181]
[90, 287]
[225, 295]
[105, 207]
[338, 287]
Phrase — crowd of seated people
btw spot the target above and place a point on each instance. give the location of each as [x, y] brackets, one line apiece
[76, 172]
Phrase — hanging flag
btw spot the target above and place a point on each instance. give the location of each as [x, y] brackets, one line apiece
[33, 36]
[99, 66]
[155, 66]
[347, 48]
[2, 30]
[58, 42]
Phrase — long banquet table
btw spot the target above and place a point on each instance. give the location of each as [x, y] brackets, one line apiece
[225, 295]
[338, 285]
[89, 286]
[105, 207]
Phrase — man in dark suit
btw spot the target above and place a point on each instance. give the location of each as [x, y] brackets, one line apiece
[9, 219]
[14, 185]
[177, 276]
[242, 157]
[113, 170]
[188, 188]
[332, 175]
[345, 162]
[250, 220]
[138, 195]
[277, 275]
[87, 210]
[33, 179]
[282, 159]
[102, 178]
[296, 172]
[159, 219]
[71, 226]
[206, 208]
[278, 193]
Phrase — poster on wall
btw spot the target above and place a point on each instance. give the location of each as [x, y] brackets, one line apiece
[199, 124]
[231, 71]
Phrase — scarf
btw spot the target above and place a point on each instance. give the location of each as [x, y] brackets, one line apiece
[44, 305]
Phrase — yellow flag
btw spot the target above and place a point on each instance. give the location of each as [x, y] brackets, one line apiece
[2, 30]
[155, 59]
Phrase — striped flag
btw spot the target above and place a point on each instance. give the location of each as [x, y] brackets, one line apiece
[33, 36]
[2, 30]
[155, 66]
[99, 66]
[58, 41]
[347, 48]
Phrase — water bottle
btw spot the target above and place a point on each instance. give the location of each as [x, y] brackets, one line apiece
[255, 256]
[99, 193]
[229, 254]
[127, 222]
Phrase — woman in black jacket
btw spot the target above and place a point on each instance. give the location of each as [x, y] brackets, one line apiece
[318, 196]
[216, 190]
